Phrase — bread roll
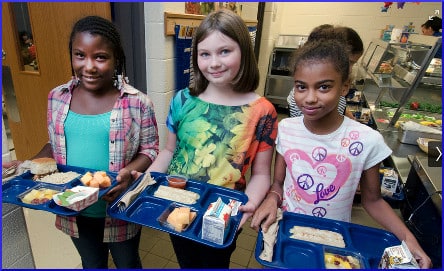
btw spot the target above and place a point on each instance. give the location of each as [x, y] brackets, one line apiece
[43, 166]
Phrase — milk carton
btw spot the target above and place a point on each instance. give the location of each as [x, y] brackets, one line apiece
[389, 180]
[398, 257]
[216, 221]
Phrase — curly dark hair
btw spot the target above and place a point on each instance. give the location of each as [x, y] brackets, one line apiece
[323, 50]
[343, 34]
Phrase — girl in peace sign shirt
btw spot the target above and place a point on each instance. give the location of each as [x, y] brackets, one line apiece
[322, 155]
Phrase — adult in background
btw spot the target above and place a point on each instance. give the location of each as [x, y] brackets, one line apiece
[432, 27]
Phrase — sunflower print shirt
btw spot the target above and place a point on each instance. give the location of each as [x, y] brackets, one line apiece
[217, 143]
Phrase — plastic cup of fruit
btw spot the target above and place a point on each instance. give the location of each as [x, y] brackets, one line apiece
[177, 181]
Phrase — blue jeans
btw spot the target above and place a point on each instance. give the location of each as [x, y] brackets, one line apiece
[94, 252]
[191, 254]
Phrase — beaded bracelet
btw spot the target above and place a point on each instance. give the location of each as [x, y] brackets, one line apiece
[279, 195]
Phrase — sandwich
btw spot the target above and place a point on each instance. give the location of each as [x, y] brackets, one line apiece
[41, 167]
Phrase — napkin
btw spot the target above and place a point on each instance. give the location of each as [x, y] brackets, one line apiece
[130, 195]
[270, 238]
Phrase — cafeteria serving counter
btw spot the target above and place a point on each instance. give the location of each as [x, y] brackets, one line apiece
[422, 206]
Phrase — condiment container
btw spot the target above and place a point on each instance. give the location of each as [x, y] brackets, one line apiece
[177, 181]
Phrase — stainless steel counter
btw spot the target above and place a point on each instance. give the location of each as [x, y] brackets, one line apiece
[406, 156]
[400, 150]
[431, 178]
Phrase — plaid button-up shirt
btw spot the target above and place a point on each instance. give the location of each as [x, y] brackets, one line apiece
[133, 130]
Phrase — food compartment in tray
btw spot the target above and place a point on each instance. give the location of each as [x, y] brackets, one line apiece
[143, 210]
[178, 217]
[39, 194]
[342, 259]
[69, 176]
[191, 195]
[61, 169]
[316, 226]
[102, 190]
[193, 186]
[151, 209]
[293, 255]
[60, 178]
[212, 193]
[363, 243]
[14, 187]
[383, 239]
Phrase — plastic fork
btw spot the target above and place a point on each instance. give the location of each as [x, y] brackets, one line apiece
[130, 195]
[6, 172]
[121, 207]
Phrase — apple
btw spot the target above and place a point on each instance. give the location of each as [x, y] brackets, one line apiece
[414, 105]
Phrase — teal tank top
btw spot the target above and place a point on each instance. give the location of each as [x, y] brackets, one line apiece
[87, 139]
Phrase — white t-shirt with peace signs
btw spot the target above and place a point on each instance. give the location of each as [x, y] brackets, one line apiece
[323, 171]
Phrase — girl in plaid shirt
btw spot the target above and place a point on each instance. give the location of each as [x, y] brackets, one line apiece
[98, 121]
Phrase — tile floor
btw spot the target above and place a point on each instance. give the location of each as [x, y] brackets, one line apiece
[156, 250]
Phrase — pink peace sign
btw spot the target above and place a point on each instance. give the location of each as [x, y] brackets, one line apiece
[322, 170]
[341, 158]
[354, 135]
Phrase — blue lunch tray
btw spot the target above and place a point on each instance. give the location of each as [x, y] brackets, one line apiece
[16, 186]
[148, 210]
[365, 242]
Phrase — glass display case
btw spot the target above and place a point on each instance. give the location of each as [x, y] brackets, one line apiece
[403, 76]
[279, 80]
[403, 85]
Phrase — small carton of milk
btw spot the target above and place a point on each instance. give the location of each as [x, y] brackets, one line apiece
[389, 180]
[216, 220]
[398, 257]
